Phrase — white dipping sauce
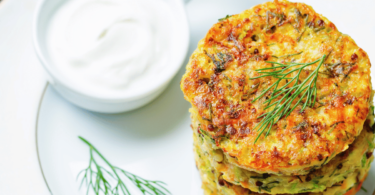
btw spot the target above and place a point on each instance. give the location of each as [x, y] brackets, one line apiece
[110, 46]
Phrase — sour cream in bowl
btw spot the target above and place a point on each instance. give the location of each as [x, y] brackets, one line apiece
[111, 55]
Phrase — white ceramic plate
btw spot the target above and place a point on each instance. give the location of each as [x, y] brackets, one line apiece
[154, 142]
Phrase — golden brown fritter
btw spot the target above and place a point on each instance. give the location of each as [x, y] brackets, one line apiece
[356, 159]
[222, 84]
[214, 184]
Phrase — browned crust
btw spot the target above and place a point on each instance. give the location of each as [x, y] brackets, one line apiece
[222, 98]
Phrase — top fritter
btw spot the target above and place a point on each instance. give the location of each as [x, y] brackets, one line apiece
[279, 88]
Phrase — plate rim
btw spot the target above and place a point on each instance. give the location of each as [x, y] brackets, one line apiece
[36, 134]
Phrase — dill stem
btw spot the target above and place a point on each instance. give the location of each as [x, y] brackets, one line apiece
[106, 161]
[301, 89]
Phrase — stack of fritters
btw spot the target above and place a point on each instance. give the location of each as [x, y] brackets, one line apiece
[281, 104]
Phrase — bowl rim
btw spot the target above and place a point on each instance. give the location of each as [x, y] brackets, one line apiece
[59, 78]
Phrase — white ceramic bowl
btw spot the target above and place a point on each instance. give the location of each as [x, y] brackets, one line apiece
[105, 104]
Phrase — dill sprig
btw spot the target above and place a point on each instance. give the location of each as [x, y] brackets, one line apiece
[287, 93]
[226, 17]
[364, 189]
[288, 55]
[98, 179]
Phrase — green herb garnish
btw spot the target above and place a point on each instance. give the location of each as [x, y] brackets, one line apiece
[363, 161]
[221, 61]
[206, 134]
[319, 29]
[294, 186]
[333, 172]
[306, 89]
[268, 187]
[226, 17]
[334, 126]
[288, 55]
[370, 144]
[300, 36]
[325, 161]
[364, 189]
[306, 190]
[97, 178]
[209, 113]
